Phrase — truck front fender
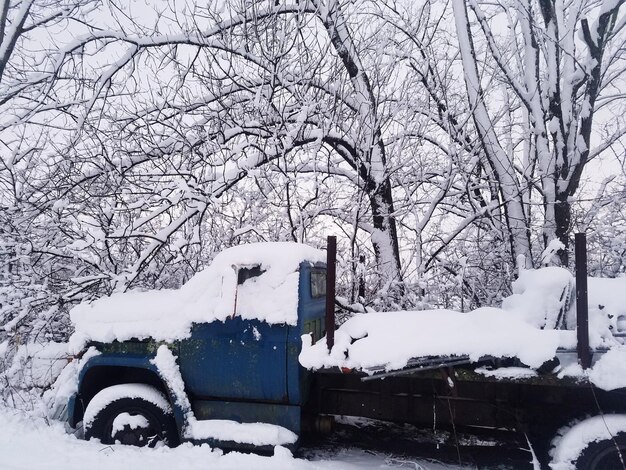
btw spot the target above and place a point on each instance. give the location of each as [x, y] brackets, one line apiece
[106, 370]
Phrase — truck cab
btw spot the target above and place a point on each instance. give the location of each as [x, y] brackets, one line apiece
[232, 373]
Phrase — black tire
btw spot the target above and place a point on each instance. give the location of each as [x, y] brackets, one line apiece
[604, 455]
[161, 425]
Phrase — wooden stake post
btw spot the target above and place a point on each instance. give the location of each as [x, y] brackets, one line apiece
[582, 310]
[331, 258]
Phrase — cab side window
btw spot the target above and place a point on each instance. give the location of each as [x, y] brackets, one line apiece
[318, 283]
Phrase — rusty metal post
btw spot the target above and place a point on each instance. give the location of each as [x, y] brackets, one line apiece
[331, 258]
[582, 310]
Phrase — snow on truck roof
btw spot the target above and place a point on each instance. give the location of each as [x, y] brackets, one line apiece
[167, 315]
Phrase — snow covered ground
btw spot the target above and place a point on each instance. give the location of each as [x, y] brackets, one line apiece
[28, 443]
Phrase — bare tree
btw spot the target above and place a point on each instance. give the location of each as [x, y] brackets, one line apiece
[560, 65]
[256, 88]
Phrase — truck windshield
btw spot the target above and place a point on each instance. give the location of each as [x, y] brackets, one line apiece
[245, 273]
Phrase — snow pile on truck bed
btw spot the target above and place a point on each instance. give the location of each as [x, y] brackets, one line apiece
[390, 339]
[546, 298]
[212, 294]
[523, 328]
[607, 308]
[541, 297]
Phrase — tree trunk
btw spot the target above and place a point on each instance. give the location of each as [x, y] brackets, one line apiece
[495, 158]
[370, 159]
[385, 237]
[562, 219]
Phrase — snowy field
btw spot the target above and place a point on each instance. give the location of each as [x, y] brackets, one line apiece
[28, 443]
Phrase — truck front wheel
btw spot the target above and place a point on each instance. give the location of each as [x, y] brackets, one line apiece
[131, 414]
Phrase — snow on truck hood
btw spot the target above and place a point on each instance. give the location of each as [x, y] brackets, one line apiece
[167, 315]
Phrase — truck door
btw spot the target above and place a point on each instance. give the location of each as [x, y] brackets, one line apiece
[236, 359]
[241, 359]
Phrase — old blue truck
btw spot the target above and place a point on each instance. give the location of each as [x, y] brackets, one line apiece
[236, 380]
[234, 370]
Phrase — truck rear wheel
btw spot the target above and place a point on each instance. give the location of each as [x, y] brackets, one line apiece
[596, 443]
[603, 455]
[131, 414]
